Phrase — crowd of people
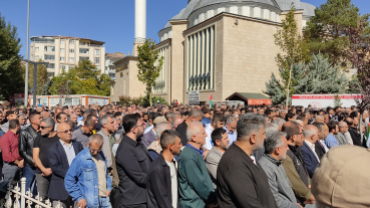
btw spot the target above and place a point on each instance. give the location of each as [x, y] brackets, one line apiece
[188, 156]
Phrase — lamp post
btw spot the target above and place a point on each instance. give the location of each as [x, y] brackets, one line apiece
[34, 80]
[27, 56]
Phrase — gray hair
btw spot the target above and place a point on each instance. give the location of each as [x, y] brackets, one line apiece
[320, 116]
[21, 115]
[249, 123]
[190, 131]
[96, 138]
[161, 127]
[271, 128]
[279, 121]
[273, 141]
[342, 124]
[308, 133]
[49, 122]
[229, 119]
[299, 122]
[104, 119]
[195, 113]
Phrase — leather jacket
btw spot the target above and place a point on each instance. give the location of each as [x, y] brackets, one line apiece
[25, 145]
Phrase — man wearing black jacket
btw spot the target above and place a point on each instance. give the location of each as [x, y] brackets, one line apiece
[352, 122]
[162, 184]
[133, 162]
[25, 145]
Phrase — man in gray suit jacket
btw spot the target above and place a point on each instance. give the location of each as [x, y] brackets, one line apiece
[341, 138]
[220, 141]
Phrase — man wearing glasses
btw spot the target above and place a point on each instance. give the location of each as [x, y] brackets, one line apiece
[61, 155]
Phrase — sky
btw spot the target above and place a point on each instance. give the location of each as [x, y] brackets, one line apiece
[110, 21]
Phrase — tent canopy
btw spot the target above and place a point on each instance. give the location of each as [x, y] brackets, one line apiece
[250, 98]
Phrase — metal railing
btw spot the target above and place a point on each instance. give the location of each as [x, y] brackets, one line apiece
[91, 45]
[18, 198]
[40, 41]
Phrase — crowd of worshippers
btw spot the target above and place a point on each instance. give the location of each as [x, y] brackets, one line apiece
[188, 156]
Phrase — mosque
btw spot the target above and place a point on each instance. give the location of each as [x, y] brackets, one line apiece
[221, 47]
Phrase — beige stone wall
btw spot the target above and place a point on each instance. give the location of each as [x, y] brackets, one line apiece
[136, 88]
[248, 55]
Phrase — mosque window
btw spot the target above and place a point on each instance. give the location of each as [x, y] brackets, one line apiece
[200, 59]
[263, 14]
[240, 10]
[252, 12]
[160, 83]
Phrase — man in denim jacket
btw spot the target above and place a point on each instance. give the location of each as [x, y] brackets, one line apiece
[87, 180]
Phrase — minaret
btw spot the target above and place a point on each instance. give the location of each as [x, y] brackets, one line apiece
[140, 24]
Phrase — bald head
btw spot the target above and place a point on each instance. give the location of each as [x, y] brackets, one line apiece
[349, 121]
[45, 114]
[196, 133]
[64, 132]
[320, 118]
[343, 127]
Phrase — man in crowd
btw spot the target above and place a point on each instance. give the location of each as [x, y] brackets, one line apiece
[88, 175]
[206, 117]
[352, 124]
[61, 118]
[293, 164]
[196, 189]
[82, 134]
[13, 163]
[330, 140]
[155, 147]
[26, 139]
[10, 115]
[194, 115]
[107, 123]
[276, 147]
[151, 136]
[218, 121]
[309, 156]
[22, 121]
[61, 155]
[79, 115]
[341, 136]
[133, 172]
[238, 171]
[41, 146]
[220, 140]
[320, 145]
[230, 127]
[162, 175]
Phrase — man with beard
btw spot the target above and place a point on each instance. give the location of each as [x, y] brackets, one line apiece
[239, 171]
[133, 161]
[276, 147]
[41, 146]
[221, 141]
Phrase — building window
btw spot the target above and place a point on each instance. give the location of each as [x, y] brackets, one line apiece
[37, 49]
[62, 51]
[49, 48]
[50, 74]
[97, 52]
[62, 58]
[83, 58]
[84, 50]
[51, 66]
[200, 59]
[71, 42]
[49, 57]
[71, 59]
[252, 12]
[62, 42]
[31, 49]
[97, 60]
[37, 58]
[63, 67]
[71, 50]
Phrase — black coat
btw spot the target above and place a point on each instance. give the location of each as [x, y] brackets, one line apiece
[356, 137]
[241, 183]
[320, 151]
[159, 184]
[25, 145]
[59, 166]
[181, 129]
[294, 153]
[133, 162]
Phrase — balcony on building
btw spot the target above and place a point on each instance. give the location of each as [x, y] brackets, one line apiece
[84, 51]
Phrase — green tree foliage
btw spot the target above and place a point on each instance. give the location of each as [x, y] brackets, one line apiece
[84, 79]
[353, 86]
[289, 39]
[337, 101]
[150, 64]
[11, 80]
[319, 76]
[324, 31]
[42, 77]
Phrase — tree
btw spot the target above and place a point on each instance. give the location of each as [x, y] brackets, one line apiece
[42, 77]
[85, 79]
[324, 31]
[359, 56]
[150, 64]
[337, 101]
[353, 86]
[318, 76]
[289, 39]
[11, 80]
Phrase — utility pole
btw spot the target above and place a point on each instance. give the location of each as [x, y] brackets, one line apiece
[27, 56]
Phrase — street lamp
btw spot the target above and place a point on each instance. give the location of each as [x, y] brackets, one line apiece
[34, 80]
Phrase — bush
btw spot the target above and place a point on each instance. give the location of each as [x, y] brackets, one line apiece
[142, 101]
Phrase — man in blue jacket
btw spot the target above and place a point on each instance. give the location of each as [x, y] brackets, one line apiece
[87, 180]
[309, 155]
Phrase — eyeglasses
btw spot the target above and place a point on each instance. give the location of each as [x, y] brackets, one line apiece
[95, 150]
[43, 127]
[66, 131]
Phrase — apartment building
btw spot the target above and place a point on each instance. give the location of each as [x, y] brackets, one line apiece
[64, 52]
[110, 58]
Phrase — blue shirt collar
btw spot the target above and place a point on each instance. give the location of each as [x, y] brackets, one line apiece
[200, 151]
